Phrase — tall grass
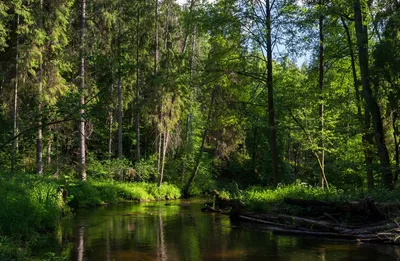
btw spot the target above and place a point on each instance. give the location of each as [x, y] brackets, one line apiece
[93, 193]
[29, 206]
[267, 199]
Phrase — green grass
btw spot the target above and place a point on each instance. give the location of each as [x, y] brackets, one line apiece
[31, 208]
[267, 199]
[93, 193]
[10, 250]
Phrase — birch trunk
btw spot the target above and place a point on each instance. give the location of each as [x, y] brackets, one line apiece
[39, 140]
[321, 89]
[82, 134]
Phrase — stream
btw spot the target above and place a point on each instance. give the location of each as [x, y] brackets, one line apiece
[178, 230]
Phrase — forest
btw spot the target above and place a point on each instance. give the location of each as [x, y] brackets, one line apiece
[114, 100]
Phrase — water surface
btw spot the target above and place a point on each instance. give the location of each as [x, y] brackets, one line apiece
[178, 230]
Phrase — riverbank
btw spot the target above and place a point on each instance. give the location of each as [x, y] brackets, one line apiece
[361, 215]
[32, 207]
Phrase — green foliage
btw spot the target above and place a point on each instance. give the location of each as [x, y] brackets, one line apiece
[28, 206]
[94, 193]
[10, 250]
[267, 199]
[146, 169]
[106, 169]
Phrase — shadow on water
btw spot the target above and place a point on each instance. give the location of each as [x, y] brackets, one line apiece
[180, 231]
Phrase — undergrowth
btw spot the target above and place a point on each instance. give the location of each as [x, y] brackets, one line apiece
[32, 206]
[93, 193]
[272, 199]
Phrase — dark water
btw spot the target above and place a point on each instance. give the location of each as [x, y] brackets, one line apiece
[180, 231]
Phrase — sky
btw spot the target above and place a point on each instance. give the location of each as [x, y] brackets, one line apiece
[299, 60]
[185, 1]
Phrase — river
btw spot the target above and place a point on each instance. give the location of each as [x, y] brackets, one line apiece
[178, 230]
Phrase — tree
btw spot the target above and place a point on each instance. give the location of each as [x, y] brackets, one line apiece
[362, 43]
[81, 129]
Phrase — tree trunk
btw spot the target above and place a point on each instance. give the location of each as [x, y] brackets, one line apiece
[367, 139]
[15, 108]
[164, 152]
[396, 147]
[156, 53]
[48, 150]
[362, 42]
[159, 112]
[271, 109]
[119, 89]
[137, 108]
[186, 190]
[110, 130]
[187, 33]
[321, 89]
[82, 134]
[39, 140]
[119, 115]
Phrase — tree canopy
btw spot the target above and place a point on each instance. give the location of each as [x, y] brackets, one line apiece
[199, 93]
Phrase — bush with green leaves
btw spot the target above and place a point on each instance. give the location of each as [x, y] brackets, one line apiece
[146, 169]
[107, 169]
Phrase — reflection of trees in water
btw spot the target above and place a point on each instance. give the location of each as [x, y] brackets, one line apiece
[161, 249]
[108, 248]
[172, 233]
[81, 246]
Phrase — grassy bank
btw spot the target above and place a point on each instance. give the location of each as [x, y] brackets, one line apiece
[261, 199]
[31, 207]
[93, 193]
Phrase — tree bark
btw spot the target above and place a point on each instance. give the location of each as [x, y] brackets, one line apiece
[137, 108]
[119, 115]
[159, 133]
[119, 89]
[82, 133]
[48, 150]
[187, 33]
[156, 45]
[15, 105]
[111, 122]
[367, 139]
[164, 152]
[271, 109]
[321, 89]
[39, 140]
[362, 42]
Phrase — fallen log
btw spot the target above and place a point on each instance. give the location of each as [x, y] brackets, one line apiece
[374, 229]
[292, 222]
[365, 207]
[210, 209]
[312, 233]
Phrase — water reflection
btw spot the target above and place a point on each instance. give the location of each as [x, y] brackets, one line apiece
[154, 231]
[81, 247]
